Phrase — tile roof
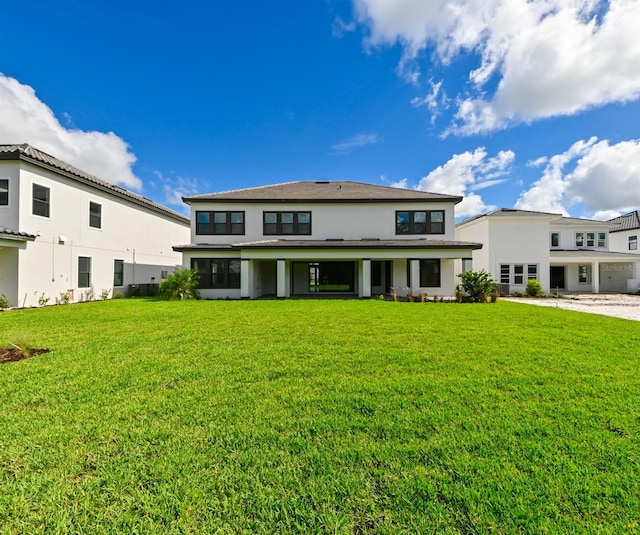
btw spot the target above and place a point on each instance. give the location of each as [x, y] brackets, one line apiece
[509, 212]
[334, 244]
[630, 221]
[9, 234]
[27, 153]
[322, 191]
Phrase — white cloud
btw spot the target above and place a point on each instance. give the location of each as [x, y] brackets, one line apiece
[466, 173]
[339, 27]
[26, 119]
[603, 178]
[174, 188]
[435, 101]
[353, 143]
[548, 57]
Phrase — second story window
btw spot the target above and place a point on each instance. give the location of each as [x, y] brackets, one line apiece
[4, 191]
[286, 223]
[555, 239]
[95, 215]
[579, 239]
[41, 200]
[420, 222]
[633, 243]
[220, 223]
[602, 239]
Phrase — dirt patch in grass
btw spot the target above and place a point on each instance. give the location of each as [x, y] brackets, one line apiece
[13, 354]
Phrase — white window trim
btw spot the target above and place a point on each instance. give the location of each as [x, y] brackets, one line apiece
[8, 179]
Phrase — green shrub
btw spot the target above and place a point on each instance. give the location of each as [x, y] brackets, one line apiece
[478, 285]
[181, 284]
[534, 288]
[4, 302]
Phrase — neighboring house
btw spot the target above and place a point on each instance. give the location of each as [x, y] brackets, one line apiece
[323, 238]
[563, 253]
[624, 232]
[64, 231]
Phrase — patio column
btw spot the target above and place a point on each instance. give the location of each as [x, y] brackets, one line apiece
[415, 275]
[281, 278]
[595, 277]
[245, 278]
[365, 289]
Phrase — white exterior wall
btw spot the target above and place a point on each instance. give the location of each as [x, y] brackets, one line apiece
[9, 214]
[349, 221]
[568, 234]
[478, 232]
[49, 264]
[514, 240]
[619, 241]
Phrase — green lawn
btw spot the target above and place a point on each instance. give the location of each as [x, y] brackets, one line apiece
[319, 417]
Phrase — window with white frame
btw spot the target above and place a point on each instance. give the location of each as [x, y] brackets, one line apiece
[118, 272]
[516, 273]
[555, 239]
[579, 239]
[84, 272]
[584, 274]
[633, 243]
[40, 200]
[505, 273]
[591, 239]
[95, 215]
[602, 239]
[4, 191]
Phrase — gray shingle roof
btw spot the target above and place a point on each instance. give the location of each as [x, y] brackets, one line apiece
[630, 221]
[27, 153]
[322, 191]
[9, 234]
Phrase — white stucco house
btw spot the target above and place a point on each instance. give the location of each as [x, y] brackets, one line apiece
[563, 253]
[624, 231]
[334, 238]
[65, 231]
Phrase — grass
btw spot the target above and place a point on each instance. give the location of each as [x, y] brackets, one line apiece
[320, 417]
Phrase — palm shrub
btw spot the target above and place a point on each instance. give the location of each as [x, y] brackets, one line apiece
[181, 284]
[477, 285]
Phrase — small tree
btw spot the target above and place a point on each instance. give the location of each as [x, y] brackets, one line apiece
[181, 284]
[478, 285]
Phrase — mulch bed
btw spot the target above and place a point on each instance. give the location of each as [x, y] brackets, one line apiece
[13, 354]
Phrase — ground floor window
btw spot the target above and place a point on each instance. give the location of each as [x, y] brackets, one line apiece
[217, 273]
[430, 273]
[84, 272]
[118, 272]
[331, 277]
[515, 273]
[584, 274]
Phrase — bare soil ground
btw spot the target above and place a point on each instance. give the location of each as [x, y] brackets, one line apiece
[617, 305]
[13, 354]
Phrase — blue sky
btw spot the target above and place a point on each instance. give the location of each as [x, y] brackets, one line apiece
[530, 104]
